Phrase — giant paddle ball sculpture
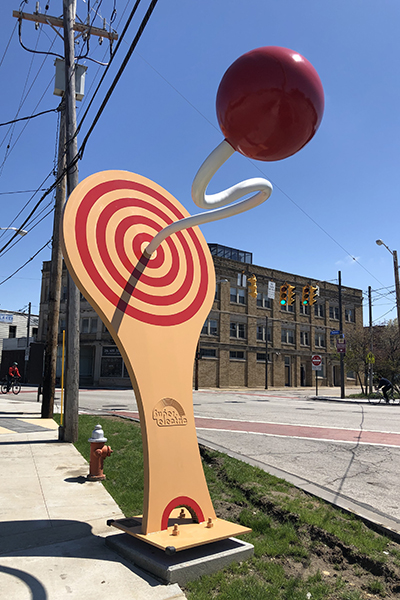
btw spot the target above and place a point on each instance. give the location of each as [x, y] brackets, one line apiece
[143, 264]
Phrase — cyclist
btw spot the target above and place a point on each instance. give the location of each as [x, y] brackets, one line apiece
[13, 373]
[386, 385]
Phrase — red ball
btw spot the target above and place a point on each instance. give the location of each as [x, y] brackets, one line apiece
[270, 103]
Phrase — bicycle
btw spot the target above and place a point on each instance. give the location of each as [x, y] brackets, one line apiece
[13, 386]
[377, 397]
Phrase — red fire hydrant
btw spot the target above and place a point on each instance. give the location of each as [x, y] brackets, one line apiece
[98, 452]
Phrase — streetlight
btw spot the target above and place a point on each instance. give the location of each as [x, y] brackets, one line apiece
[396, 277]
[21, 232]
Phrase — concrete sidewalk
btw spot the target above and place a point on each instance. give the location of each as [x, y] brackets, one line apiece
[53, 521]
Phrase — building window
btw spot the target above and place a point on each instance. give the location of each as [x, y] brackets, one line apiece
[304, 309]
[236, 355]
[319, 310]
[263, 301]
[208, 353]
[34, 332]
[64, 293]
[238, 330]
[238, 295]
[61, 325]
[261, 357]
[334, 312]
[320, 341]
[261, 333]
[304, 338]
[12, 331]
[112, 364]
[232, 253]
[210, 327]
[287, 307]
[349, 315]
[287, 336]
[241, 280]
[89, 325]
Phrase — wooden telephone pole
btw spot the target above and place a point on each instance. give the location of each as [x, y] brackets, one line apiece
[68, 158]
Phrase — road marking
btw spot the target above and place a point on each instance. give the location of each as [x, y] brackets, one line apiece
[303, 437]
[309, 432]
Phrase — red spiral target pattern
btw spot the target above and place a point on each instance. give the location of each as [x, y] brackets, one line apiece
[114, 222]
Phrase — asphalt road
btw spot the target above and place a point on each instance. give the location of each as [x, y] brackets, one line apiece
[349, 449]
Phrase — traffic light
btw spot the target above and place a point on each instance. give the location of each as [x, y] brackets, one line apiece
[305, 297]
[314, 293]
[253, 286]
[283, 295]
[291, 294]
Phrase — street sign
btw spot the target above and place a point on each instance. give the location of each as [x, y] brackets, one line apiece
[341, 345]
[335, 332]
[316, 361]
[271, 290]
[370, 358]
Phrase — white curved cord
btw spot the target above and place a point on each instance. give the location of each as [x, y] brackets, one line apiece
[203, 177]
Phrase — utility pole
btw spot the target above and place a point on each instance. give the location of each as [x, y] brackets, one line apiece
[68, 153]
[342, 394]
[397, 283]
[396, 278]
[70, 433]
[371, 344]
[50, 360]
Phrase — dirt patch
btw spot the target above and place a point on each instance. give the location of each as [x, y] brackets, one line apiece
[350, 573]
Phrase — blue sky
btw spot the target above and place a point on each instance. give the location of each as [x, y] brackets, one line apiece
[331, 201]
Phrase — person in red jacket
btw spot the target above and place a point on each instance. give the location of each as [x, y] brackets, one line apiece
[12, 373]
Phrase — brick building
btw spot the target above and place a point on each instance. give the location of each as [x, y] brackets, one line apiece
[233, 341]
[232, 345]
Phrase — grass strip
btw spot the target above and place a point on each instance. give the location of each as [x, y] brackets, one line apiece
[304, 549]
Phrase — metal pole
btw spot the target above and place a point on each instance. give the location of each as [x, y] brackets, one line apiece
[28, 327]
[73, 302]
[371, 345]
[342, 394]
[396, 280]
[316, 382]
[50, 359]
[196, 367]
[266, 353]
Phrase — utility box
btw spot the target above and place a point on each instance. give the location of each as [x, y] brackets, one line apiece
[59, 84]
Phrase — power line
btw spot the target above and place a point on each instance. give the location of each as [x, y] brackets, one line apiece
[260, 170]
[8, 44]
[132, 14]
[47, 192]
[27, 262]
[44, 112]
[94, 122]
[22, 192]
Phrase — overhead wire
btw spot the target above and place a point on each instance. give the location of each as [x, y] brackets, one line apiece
[262, 172]
[108, 95]
[132, 47]
[10, 148]
[8, 43]
[44, 112]
[25, 263]
[121, 37]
